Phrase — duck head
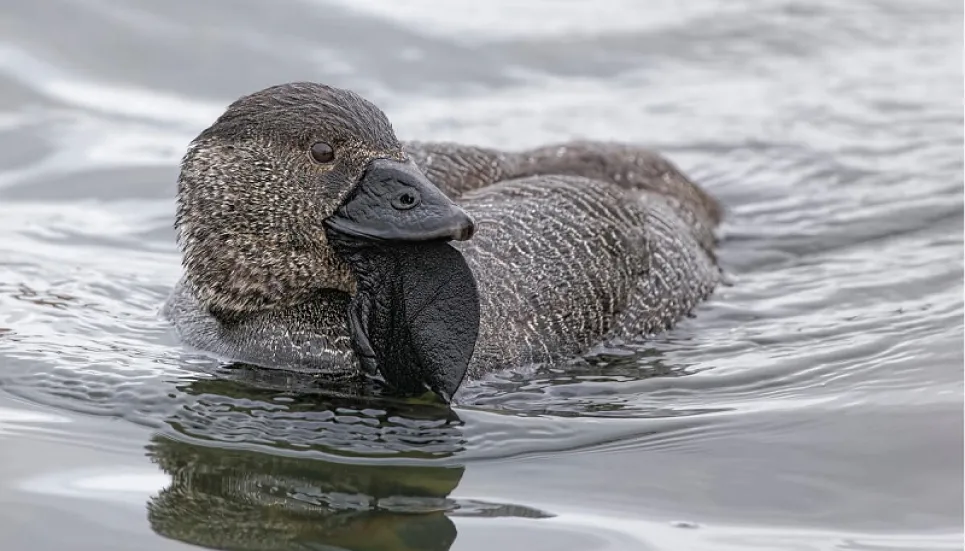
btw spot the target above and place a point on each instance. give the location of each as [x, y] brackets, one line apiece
[301, 188]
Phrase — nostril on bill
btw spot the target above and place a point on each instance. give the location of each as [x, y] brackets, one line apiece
[405, 200]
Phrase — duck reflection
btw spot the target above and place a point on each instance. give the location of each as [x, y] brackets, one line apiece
[246, 500]
[227, 495]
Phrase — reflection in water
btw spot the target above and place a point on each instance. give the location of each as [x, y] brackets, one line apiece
[239, 499]
[227, 498]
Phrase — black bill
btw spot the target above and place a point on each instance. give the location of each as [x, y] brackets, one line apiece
[394, 201]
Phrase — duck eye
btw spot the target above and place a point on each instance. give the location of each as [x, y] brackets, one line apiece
[322, 152]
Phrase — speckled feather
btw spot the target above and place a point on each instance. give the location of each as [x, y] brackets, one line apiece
[575, 243]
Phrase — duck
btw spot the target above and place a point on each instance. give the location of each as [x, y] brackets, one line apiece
[313, 240]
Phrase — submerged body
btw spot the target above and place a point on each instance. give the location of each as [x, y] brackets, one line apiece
[574, 244]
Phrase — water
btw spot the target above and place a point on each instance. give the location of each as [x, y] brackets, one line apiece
[815, 403]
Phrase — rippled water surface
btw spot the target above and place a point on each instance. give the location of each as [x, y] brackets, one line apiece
[813, 403]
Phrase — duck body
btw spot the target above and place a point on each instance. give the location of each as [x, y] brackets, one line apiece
[574, 244]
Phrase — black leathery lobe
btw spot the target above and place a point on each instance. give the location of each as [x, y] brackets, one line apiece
[415, 314]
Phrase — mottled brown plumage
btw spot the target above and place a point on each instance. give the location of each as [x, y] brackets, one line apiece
[575, 243]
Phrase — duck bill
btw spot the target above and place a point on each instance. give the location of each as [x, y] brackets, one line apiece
[394, 201]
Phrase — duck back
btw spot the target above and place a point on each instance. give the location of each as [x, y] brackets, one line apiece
[564, 262]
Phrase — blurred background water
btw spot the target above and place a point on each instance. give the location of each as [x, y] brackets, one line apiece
[814, 403]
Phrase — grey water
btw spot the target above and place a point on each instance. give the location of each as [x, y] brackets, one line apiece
[814, 403]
